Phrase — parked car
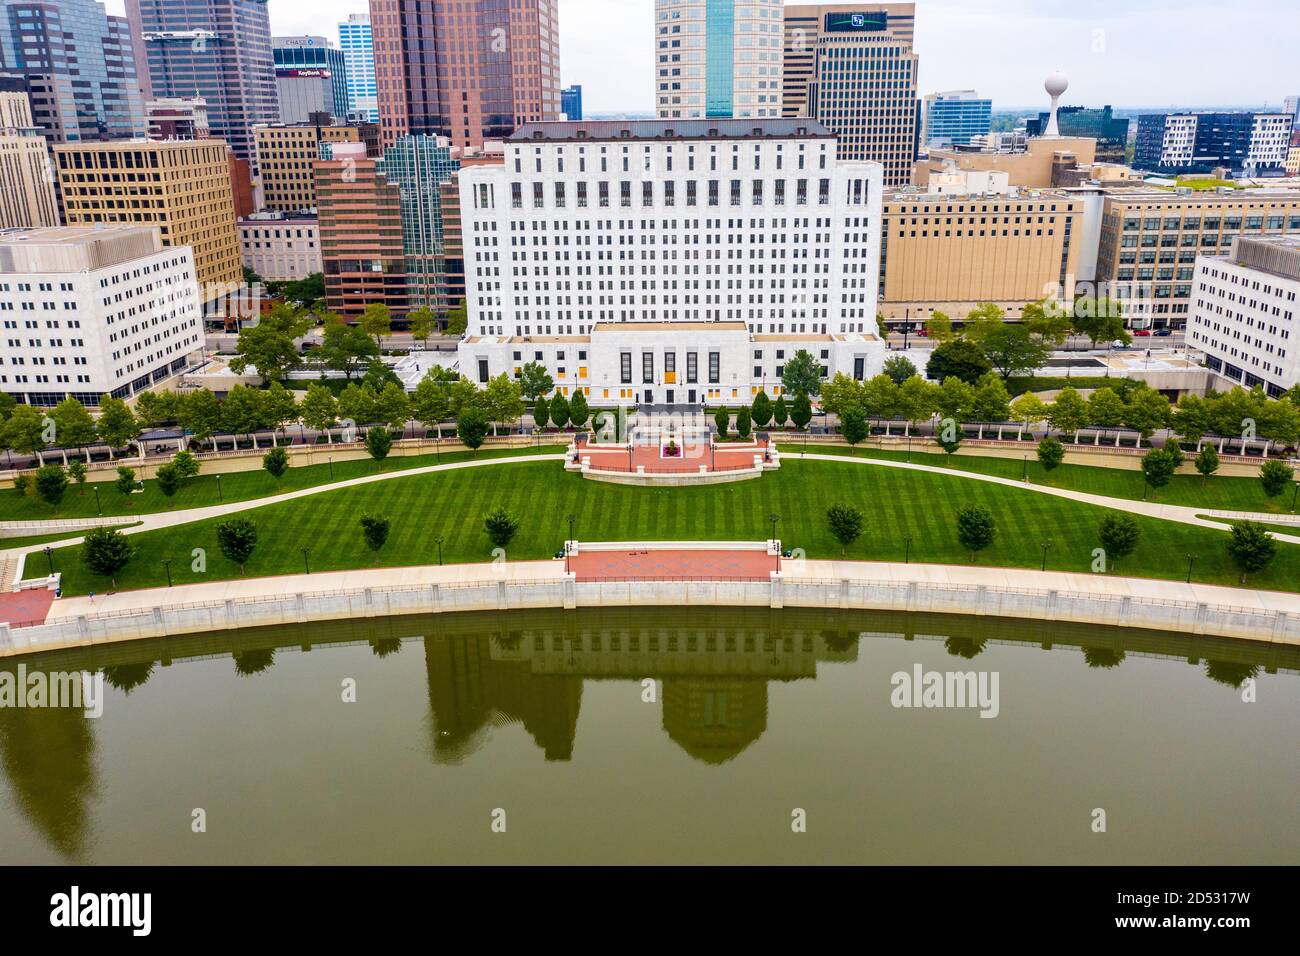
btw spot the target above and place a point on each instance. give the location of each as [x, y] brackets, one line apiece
[1118, 344]
[1142, 332]
[1164, 333]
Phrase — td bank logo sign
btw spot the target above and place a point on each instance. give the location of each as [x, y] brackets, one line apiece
[75, 909]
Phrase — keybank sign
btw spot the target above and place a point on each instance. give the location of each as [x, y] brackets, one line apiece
[855, 22]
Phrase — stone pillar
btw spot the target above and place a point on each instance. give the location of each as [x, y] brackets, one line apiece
[981, 596]
[1280, 621]
[435, 595]
[7, 637]
[777, 598]
[159, 624]
[1202, 612]
[844, 593]
[231, 623]
[302, 608]
[503, 603]
[570, 591]
[370, 602]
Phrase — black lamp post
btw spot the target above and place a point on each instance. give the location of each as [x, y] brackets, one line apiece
[1191, 560]
[1295, 496]
[49, 556]
[306, 559]
[1046, 546]
[907, 549]
[167, 564]
[331, 461]
[439, 541]
[220, 497]
[99, 509]
[1024, 472]
[774, 518]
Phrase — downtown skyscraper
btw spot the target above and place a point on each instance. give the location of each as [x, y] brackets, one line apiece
[358, 46]
[470, 72]
[219, 50]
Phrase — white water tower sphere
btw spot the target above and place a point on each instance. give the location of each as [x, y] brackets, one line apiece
[1056, 86]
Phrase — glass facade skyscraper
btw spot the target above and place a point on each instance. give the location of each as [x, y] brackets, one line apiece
[418, 166]
[1110, 133]
[718, 58]
[219, 50]
[951, 119]
[310, 77]
[358, 46]
[571, 103]
[79, 66]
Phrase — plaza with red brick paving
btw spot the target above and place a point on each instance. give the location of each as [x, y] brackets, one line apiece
[25, 607]
[650, 456]
[674, 565]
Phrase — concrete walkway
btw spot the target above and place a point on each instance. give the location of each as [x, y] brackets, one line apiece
[1151, 509]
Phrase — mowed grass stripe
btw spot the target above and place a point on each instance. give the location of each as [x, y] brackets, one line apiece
[896, 503]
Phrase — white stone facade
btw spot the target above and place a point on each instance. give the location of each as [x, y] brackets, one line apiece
[1244, 311]
[281, 248]
[731, 236]
[86, 311]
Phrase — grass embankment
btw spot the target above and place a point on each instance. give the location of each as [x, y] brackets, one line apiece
[7, 544]
[1228, 494]
[202, 492]
[896, 503]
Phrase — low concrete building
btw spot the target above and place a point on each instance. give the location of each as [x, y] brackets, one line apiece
[1244, 309]
[281, 247]
[89, 311]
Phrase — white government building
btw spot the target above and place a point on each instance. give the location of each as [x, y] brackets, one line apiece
[1244, 309]
[88, 311]
[671, 262]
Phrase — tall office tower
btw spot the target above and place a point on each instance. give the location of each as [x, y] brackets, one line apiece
[718, 58]
[419, 166]
[1247, 144]
[571, 103]
[468, 72]
[361, 239]
[119, 312]
[182, 187]
[27, 197]
[951, 119]
[219, 50]
[669, 194]
[310, 77]
[79, 65]
[1110, 133]
[358, 46]
[287, 155]
[853, 70]
[1292, 105]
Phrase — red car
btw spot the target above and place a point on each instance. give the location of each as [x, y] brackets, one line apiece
[1141, 332]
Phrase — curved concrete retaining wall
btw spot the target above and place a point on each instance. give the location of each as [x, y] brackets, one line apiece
[566, 592]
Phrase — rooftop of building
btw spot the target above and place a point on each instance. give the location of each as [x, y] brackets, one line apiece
[70, 249]
[1276, 255]
[670, 130]
[1139, 193]
[669, 327]
[97, 146]
[263, 218]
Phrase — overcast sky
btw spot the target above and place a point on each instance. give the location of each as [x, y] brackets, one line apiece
[1128, 53]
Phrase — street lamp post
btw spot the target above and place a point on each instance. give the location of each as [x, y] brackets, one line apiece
[220, 497]
[774, 518]
[1295, 496]
[907, 549]
[1191, 560]
[306, 562]
[1046, 546]
[331, 461]
[167, 564]
[99, 509]
[1024, 471]
[439, 541]
[49, 556]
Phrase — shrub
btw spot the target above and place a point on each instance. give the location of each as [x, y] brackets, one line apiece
[106, 552]
[1119, 536]
[375, 530]
[276, 462]
[51, 484]
[975, 528]
[1252, 548]
[1050, 453]
[1274, 475]
[501, 527]
[846, 524]
[237, 539]
[169, 479]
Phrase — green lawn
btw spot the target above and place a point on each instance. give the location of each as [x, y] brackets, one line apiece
[201, 492]
[452, 504]
[10, 543]
[1228, 494]
[1288, 529]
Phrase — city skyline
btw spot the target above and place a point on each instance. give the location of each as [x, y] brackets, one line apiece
[1109, 50]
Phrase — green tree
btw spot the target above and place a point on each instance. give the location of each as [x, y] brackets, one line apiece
[379, 442]
[501, 527]
[22, 484]
[846, 524]
[73, 424]
[376, 321]
[744, 424]
[1028, 409]
[51, 484]
[77, 472]
[1207, 461]
[25, 430]
[535, 381]
[431, 402]
[276, 462]
[992, 400]
[200, 414]
[358, 404]
[1252, 548]
[421, 323]
[1119, 536]
[346, 348]
[918, 400]
[1047, 322]
[472, 428]
[541, 412]
[392, 407]
[504, 401]
[125, 481]
[960, 359]
[242, 413]
[579, 413]
[899, 368]
[1069, 412]
[802, 374]
[279, 408]
[853, 426]
[938, 328]
[106, 552]
[458, 320]
[761, 411]
[956, 399]
[186, 465]
[378, 374]
[169, 479]
[375, 531]
[320, 410]
[975, 528]
[1013, 351]
[1147, 411]
[879, 397]
[270, 346]
[949, 439]
[722, 421]
[559, 411]
[1191, 419]
[842, 393]
[237, 539]
[1105, 408]
[1274, 475]
[117, 424]
[1159, 466]
[780, 414]
[1050, 453]
[157, 408]
[801, 414]
[1101, 320]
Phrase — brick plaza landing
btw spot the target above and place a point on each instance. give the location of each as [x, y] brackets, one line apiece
[649, 459]
[652, 565]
